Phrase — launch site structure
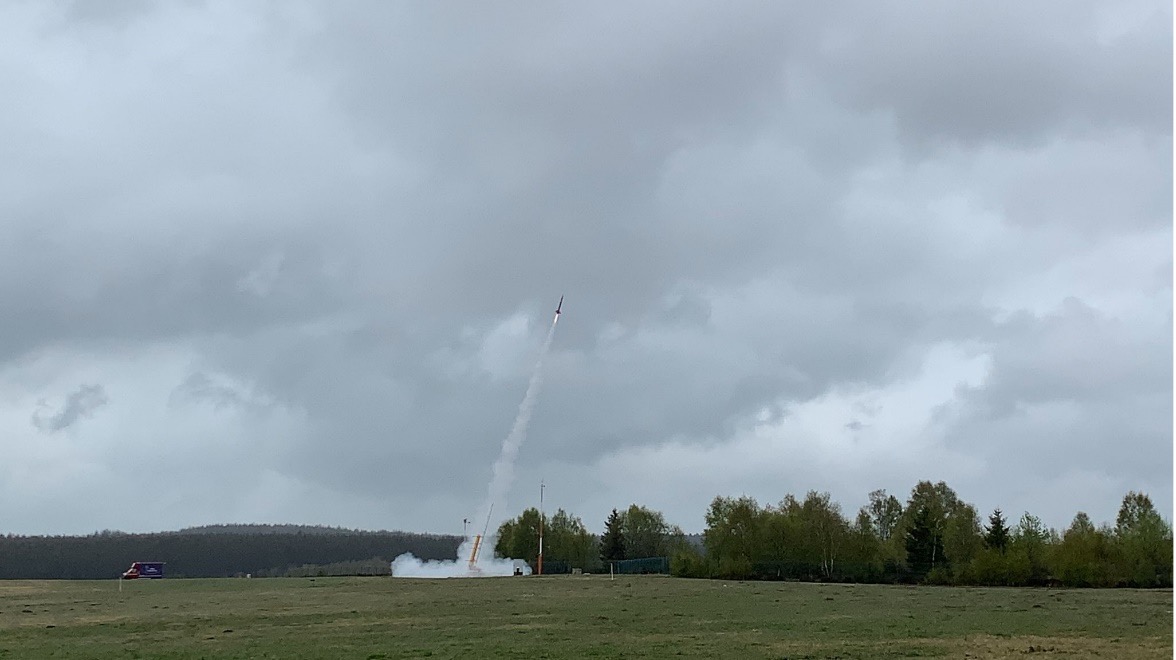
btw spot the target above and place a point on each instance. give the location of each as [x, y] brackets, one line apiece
[478, 542]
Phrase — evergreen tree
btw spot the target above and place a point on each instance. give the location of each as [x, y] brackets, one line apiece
[612, 542]
[924, 543]
[996, 536]
[952, 533]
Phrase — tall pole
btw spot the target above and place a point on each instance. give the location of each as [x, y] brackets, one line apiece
[540, 562]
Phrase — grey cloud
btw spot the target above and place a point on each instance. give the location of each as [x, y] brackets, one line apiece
[117, 12]
[1121, 189]
[955, 80]
[159, 299]
[1075, 354]
[199, 387]
[1068, 391]
[79, 404]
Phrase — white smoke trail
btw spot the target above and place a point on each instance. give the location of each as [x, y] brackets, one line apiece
[503, 472]
[407, 565]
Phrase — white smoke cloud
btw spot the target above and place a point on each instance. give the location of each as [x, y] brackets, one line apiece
[409, 566]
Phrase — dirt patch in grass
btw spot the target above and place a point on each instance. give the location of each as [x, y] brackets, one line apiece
[8, 589]
[983, 647]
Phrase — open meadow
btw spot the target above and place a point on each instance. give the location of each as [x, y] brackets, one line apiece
[571, 617]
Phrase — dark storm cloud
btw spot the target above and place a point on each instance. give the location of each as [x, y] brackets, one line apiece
[80, 403]
[346, 226]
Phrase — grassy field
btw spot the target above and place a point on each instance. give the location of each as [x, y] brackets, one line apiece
[571, 617]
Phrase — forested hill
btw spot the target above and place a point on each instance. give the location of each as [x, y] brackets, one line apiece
[278, 529]
[215, 551]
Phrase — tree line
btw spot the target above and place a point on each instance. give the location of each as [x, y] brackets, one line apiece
[219, 551]
[933, 537]
[635, 533]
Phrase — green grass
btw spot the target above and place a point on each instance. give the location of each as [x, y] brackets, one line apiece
[571, 617]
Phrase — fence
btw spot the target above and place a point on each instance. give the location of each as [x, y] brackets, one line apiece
[647, 565]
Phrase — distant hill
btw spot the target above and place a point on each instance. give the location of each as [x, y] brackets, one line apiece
[286, 529]
[216, 551]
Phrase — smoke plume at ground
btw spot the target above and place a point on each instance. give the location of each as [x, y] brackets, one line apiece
[407, 565]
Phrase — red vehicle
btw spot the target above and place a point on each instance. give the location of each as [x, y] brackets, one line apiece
[144, 569]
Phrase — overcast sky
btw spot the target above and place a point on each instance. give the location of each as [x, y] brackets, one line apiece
[293, 262]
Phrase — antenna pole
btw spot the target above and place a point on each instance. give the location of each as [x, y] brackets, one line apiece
[540, 562]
